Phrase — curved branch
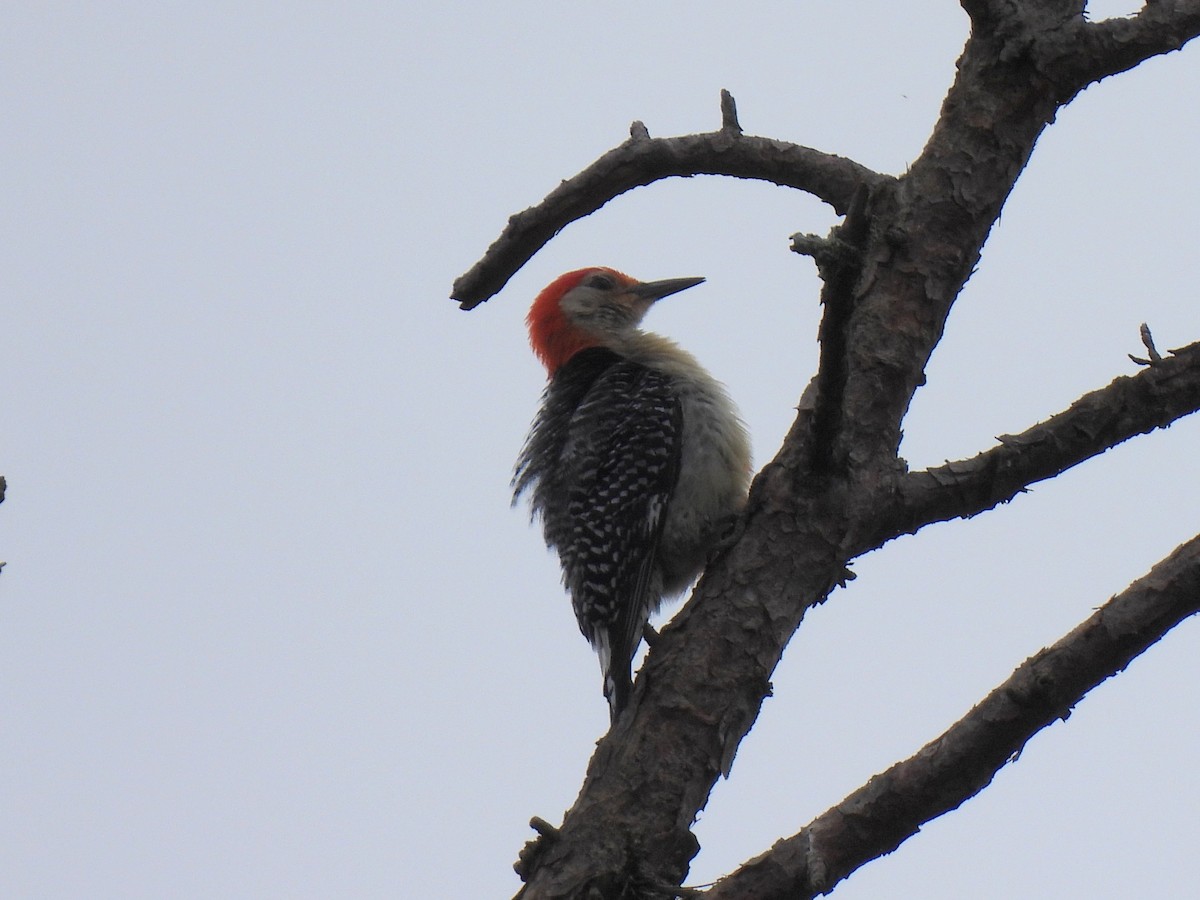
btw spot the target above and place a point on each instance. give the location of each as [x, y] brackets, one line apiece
[891, 807]
[1131, 405]
[642, 160]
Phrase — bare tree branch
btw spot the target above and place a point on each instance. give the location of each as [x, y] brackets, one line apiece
[935, 218]
[642, 160]
[1089, 51]
[891, 807]
[926, 232]
[839, 260]
[1129, 406]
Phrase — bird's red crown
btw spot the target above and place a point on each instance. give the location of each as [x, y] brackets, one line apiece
[553, 338]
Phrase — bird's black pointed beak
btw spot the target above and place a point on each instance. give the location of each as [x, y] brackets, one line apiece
[656, 290]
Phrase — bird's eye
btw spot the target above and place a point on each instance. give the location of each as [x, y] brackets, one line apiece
[603, 282]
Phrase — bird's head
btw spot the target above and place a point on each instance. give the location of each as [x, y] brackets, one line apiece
[593, 307]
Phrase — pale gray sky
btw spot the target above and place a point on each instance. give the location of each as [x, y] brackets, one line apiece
[268, 626]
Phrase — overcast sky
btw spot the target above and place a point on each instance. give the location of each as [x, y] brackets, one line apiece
[268, 626]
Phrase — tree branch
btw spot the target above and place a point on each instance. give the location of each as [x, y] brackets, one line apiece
[1131, 405]
[839, 260]
[929, 226]
[1089, 51]
[926, 233]
[642, 160]
[891, 807]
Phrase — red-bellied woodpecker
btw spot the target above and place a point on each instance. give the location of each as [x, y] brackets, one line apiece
[637, 462]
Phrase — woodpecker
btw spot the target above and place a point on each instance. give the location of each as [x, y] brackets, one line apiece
[636, 463]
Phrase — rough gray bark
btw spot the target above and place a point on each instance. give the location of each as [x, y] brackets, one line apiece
[838, 489]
